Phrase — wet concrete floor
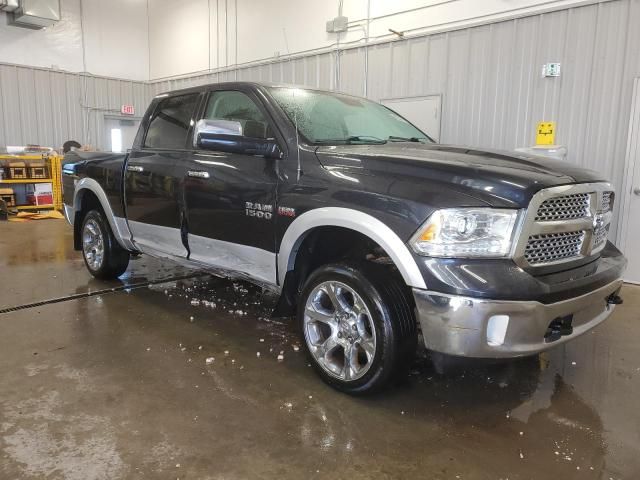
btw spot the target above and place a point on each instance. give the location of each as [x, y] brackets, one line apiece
[118, 385]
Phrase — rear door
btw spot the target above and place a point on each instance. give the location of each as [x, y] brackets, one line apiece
[151, 186]
[230, 198]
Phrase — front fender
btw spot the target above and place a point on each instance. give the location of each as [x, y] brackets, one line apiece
[353, 220]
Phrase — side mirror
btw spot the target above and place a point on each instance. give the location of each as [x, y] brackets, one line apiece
[227, 136]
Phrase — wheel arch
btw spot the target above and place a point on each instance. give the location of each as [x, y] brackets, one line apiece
[356, 221]
[89, 193]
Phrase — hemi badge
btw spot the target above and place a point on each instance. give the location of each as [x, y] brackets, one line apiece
[287, 211]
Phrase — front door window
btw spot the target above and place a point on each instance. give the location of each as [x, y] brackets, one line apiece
[237, 106]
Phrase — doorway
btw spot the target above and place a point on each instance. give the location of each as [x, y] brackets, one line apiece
[630, 194]
[120, 132]
[423, 112]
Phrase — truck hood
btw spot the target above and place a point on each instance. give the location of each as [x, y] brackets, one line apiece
[497, 178]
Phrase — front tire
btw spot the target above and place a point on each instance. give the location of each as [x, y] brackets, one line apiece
[104, 257]
[358, 326]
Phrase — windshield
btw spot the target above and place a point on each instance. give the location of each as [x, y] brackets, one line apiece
[332, 118]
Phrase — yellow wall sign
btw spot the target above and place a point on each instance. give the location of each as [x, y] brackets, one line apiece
[546, 133]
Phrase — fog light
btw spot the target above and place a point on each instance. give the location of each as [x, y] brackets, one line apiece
[497, 330]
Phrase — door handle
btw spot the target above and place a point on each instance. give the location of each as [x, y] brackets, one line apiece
[135, 168]
[198, 174]
[637, 191]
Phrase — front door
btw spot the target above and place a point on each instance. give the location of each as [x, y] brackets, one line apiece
[230, 198]
[630, 196]
[151, 186]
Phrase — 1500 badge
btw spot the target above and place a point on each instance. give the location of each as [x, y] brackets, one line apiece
[265, 211]
[258, 210]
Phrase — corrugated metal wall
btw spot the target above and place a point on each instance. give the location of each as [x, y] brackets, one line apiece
[490, 79]
[46, 107]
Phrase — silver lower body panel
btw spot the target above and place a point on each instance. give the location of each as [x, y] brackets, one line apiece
[69, 214]
[484, 328]
[155, 239]
[250, 261]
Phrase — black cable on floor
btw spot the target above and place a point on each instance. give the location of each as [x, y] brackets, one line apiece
[76, 296]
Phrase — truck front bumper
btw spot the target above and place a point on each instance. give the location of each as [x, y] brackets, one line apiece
[484, 328]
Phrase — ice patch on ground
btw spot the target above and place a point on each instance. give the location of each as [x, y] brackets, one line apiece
[87, 451]
[34, 369]
[81, 377]
[46, 443]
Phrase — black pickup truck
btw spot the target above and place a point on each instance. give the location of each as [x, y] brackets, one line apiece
[368, 230]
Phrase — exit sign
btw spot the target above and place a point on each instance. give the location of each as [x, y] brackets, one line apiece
[127, 110]
[551, 70]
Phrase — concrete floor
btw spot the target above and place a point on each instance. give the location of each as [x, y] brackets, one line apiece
[116, 385]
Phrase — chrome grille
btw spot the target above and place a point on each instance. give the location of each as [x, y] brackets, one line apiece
[600, 236]
[567, 207]
[553, 247]
[607, 201]
[565, 224]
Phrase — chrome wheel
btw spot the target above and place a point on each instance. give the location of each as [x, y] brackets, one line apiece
[339, 331]
[93, 244]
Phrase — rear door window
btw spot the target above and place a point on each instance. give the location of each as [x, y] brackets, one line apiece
[170, 122]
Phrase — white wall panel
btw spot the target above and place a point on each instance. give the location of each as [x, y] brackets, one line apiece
[179, 39]
[197, 35]
[59, 45]
[420, 16]
[141, 39]
[116, 38]
[288, 26]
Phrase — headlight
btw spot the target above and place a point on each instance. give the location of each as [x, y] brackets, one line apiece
[466, 232]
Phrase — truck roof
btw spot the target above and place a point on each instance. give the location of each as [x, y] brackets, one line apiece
[199, 88]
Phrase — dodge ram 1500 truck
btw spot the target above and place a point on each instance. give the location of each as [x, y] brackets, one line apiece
[368, 230]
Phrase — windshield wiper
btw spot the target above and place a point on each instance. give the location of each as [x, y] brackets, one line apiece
[353, 139]
[366, 138]
[404, 139]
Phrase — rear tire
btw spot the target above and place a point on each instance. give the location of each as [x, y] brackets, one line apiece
[104, 257]
[358, 326]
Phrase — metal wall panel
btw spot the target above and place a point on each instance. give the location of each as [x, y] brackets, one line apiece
[10, 113]
[490, 79]
[317, 71]
[47, 107]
